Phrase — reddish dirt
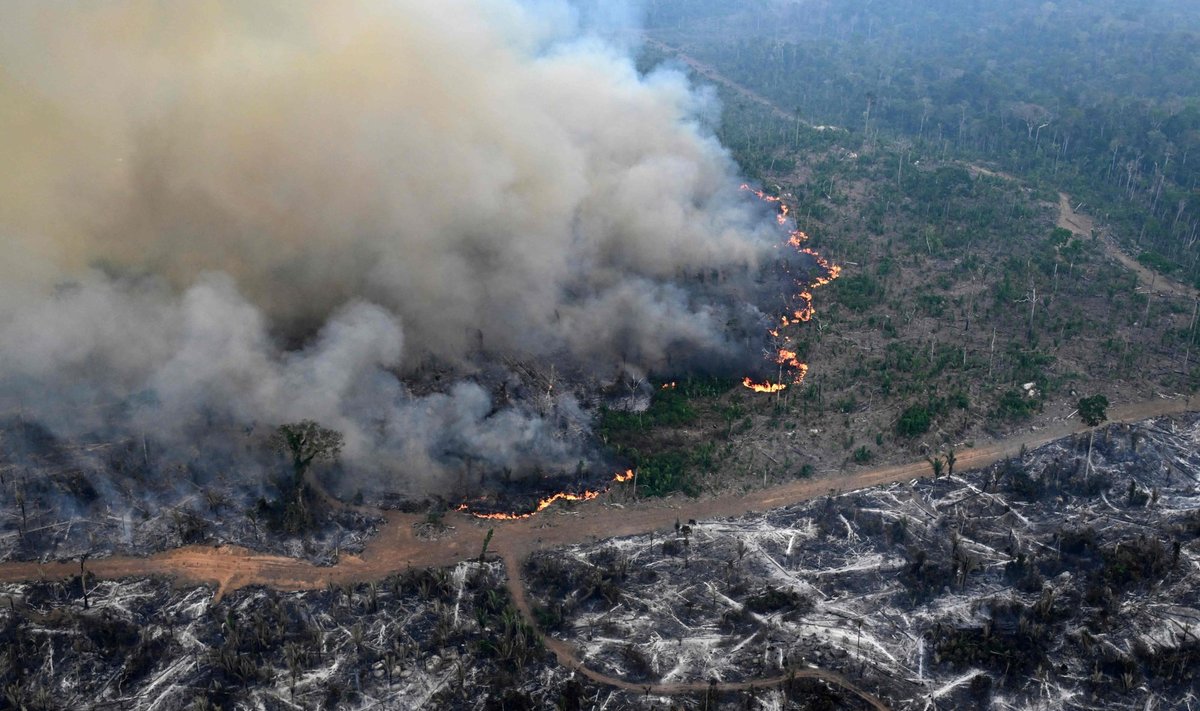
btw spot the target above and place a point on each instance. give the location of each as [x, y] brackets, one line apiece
[1083, 226]
[397, 548]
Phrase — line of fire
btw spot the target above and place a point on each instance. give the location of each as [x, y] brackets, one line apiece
[791, 370]
[543, 504]
[790, 367]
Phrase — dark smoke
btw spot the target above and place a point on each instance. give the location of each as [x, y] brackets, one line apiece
[231, 215]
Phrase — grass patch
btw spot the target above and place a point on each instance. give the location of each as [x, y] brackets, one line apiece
[665, 460]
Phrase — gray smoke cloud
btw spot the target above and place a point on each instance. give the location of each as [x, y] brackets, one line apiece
[261, 212]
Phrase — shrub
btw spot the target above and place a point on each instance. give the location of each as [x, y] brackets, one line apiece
[915, 420]
[1014, 405]
[664, 473]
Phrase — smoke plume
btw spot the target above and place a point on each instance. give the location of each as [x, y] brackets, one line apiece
[261, 212]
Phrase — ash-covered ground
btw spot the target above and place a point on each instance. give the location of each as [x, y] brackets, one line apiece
[97, 496]
[443, 638]
[1040, 582]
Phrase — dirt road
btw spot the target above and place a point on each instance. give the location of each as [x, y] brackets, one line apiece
[711, 73]
[1084, 226]
[567, 657]
[396, 547]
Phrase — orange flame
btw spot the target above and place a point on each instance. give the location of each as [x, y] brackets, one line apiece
[549, 501]
[805, 311]
[767, 387]
[666, 386]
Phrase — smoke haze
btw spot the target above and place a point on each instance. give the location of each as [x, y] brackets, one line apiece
[261, 212]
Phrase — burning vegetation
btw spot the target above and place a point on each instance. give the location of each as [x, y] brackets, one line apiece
[802, 309]
[257, 240]
[547, 502]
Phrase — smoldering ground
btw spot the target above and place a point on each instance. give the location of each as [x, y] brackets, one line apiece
[251, 213]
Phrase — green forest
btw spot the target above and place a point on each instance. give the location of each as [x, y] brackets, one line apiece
[1100, 99]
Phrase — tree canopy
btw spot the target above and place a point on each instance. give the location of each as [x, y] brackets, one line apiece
[1093, 410]
[305, 442]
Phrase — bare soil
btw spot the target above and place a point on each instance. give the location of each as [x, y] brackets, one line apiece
[1084, 226]
[397, 548]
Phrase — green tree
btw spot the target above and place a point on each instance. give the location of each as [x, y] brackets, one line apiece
[1093, 410]
[914, 421]
[306, 442]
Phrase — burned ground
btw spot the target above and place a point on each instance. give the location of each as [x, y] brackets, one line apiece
[1038, 580]
[99, 496]
[438, 638]
[441, 638]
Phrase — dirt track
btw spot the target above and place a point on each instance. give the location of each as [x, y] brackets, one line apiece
[397, 548]
[710, 73]
[1083, 226]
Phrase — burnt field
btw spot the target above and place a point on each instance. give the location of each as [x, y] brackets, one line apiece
[96, 496]
[1042, 581]
[442, 638]
[446, 638]
[1038, 582]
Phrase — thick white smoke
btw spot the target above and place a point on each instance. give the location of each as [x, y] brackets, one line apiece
[276, 210]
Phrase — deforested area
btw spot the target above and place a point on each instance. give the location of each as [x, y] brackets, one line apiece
[1047, 580]
[441, 638]
[93, 496]
[599, 354]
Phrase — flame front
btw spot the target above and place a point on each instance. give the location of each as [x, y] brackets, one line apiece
[549, 501]
[804, 310]
[767, 387]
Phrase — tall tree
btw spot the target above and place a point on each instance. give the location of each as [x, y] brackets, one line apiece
[306, 442]
[1093, 411]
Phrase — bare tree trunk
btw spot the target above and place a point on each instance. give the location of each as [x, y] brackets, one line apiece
[83, 579]
[1088, 468]
[1186, 355]
[992, 353]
